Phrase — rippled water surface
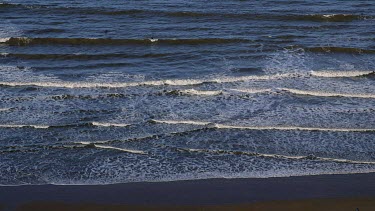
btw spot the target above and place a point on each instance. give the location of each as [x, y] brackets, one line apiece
[100, 92]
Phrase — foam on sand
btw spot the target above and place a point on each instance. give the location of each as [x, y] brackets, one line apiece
[341, 74]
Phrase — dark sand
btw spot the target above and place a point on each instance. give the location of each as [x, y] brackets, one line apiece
[325, 192]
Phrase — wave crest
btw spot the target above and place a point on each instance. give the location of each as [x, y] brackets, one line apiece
[341, 74]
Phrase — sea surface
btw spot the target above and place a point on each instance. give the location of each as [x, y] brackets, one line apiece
[102, 92]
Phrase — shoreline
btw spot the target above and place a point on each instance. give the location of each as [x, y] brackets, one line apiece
[206, 192]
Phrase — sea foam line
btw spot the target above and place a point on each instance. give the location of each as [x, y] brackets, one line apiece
[251, 91]
[95, 144]
[200, 92]
[190, 122]
[106, 124]
[21, 126]
[340, 74]
[277, 156]
[121, 149]
[177, 82]
[326, 94]
[223, 126]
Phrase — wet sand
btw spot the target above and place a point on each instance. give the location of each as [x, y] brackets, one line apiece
[324, 192]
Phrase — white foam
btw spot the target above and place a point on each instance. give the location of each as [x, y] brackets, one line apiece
[4, 109]
[121, 149]
[3, 40]
[153, 40]
[251, 91]
[20, 126]
[223, 126]
[277, 156]
[105, 124]
[178, 82]
[293, 128]
[340, 74]
[327, 94]
[87, 143]
[200, 92]
[181, 122]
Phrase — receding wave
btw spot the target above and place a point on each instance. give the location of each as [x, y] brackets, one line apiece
[331, 49]
[327, 94]
[177, 82]
[22, 41]
[107, 124]
[224, 126]
[341, 74]
[93, 145]
[276, 156]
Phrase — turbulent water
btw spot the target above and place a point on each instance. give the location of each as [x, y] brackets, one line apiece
[101, 92]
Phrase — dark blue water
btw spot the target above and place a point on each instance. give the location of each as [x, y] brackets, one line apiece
[99, 92]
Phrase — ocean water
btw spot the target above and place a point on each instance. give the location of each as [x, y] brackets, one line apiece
[102, 92]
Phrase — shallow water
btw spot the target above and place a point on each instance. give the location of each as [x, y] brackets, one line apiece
[98, 92]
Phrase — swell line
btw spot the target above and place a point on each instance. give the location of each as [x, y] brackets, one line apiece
[190, 14]
[23, 41]
[79, 56]
[276, 156]
[223, 126]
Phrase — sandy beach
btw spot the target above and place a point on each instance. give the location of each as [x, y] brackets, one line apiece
[324, 192]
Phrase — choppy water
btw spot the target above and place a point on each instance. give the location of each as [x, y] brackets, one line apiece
[224, 89]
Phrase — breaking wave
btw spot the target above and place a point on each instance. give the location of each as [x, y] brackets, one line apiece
[21, 126]
[328, 94]
[199, 92]
[177, 82]
[341, 74]
[106, 124]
